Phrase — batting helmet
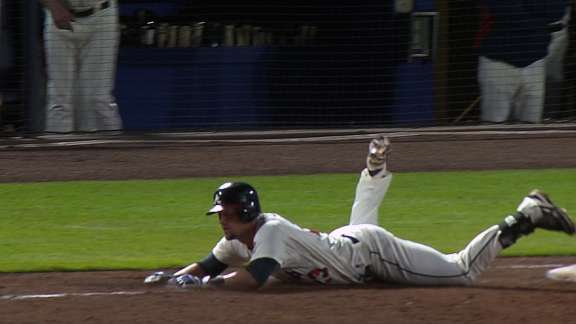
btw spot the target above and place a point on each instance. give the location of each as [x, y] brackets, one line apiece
[239, 193]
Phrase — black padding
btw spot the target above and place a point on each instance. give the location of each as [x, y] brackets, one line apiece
[510, 231]
[212, 266]
[261, 269]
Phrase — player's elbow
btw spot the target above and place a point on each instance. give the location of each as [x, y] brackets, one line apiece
[261, 269]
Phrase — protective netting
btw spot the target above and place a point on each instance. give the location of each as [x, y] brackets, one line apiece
[265, 64]
[11, 67]
[187, 65]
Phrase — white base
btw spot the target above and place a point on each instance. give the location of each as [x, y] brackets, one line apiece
[566, 273]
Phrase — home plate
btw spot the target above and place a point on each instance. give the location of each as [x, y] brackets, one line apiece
[567, 273]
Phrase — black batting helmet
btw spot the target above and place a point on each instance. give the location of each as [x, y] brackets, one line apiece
[239, 193]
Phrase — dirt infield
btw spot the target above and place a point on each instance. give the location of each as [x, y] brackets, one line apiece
[129, 158]
[507, 293]
[514, 290]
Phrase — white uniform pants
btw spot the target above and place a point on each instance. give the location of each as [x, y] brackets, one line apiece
[396, 260]
[509, 91]
[81, 71]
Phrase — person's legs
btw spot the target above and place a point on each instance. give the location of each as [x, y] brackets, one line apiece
[97, 73]
[402, 261]
[370, 192]
[531, 97]
[61, 60]
[373, 184]
[498, 84]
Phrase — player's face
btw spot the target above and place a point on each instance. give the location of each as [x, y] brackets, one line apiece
[230, 222]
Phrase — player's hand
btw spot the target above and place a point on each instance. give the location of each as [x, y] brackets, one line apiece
[157, 278]
[62, 17]
[188, 281]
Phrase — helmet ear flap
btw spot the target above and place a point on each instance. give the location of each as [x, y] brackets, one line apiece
[248, 212]
[244, 215]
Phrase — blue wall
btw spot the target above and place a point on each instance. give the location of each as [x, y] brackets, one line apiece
[414, 85]
[424, 5]
[190, 88]
[215, 87]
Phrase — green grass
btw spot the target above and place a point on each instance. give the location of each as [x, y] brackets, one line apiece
[151, 224]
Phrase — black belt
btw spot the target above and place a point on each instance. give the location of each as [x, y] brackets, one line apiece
[552, 28]
[91, 11]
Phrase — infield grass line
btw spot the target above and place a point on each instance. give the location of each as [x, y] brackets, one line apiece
[151, 224]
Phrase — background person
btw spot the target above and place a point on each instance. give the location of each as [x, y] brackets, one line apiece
[513, 44]
[81, 39]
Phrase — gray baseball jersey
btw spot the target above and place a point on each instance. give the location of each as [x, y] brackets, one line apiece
[301, 253]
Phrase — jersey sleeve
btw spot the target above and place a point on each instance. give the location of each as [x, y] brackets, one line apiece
[271, 242]
[231, 252]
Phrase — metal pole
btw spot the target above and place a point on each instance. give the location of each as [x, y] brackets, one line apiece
[441, 62]
[34, 83]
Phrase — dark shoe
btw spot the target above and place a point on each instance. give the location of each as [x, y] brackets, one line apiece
[543, 213]
[378, 154]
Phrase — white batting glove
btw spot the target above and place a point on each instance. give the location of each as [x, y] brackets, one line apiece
[188, 281]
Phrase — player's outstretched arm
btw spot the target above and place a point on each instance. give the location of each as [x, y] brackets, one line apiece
[251, 278]
[238, 280]
[193, 269]
[196, 270]
[191, 277]
[161, 277]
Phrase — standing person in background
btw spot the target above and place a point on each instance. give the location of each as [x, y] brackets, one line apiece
[560, 11]
[81, 39]
[512, 44]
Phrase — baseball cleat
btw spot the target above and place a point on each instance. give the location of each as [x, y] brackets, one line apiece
[378, 153]
[543, 213]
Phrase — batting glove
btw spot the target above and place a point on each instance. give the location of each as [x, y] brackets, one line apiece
[188, 281]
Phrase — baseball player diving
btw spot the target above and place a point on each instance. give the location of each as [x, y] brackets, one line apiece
[257, 245]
